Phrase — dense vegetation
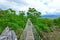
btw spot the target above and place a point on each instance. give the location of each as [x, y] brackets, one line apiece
[17, 21]
[12, 20]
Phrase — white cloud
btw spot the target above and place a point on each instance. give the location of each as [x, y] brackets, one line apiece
[40, 6]
[54, 6]
[13, 5]
[49, 6]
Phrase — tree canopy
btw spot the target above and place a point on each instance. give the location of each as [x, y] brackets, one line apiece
[17, 22]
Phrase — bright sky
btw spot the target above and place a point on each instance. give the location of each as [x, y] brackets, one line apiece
[44, 6]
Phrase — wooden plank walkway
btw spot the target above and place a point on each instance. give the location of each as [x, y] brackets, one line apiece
[28, 32]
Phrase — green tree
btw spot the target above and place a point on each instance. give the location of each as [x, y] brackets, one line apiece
[32, 12]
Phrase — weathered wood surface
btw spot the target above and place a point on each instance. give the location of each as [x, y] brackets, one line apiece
[28, 32]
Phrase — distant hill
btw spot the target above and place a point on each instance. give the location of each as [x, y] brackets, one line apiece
[50, 16]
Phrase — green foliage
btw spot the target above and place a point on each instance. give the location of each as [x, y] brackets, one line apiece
[57, 21]
[32, 12]
[12, 20]
[17, 22]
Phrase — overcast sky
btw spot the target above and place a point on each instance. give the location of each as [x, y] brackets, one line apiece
[44, 6]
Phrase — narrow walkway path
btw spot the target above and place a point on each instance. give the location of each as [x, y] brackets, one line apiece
[30, 35]
[28, 32]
